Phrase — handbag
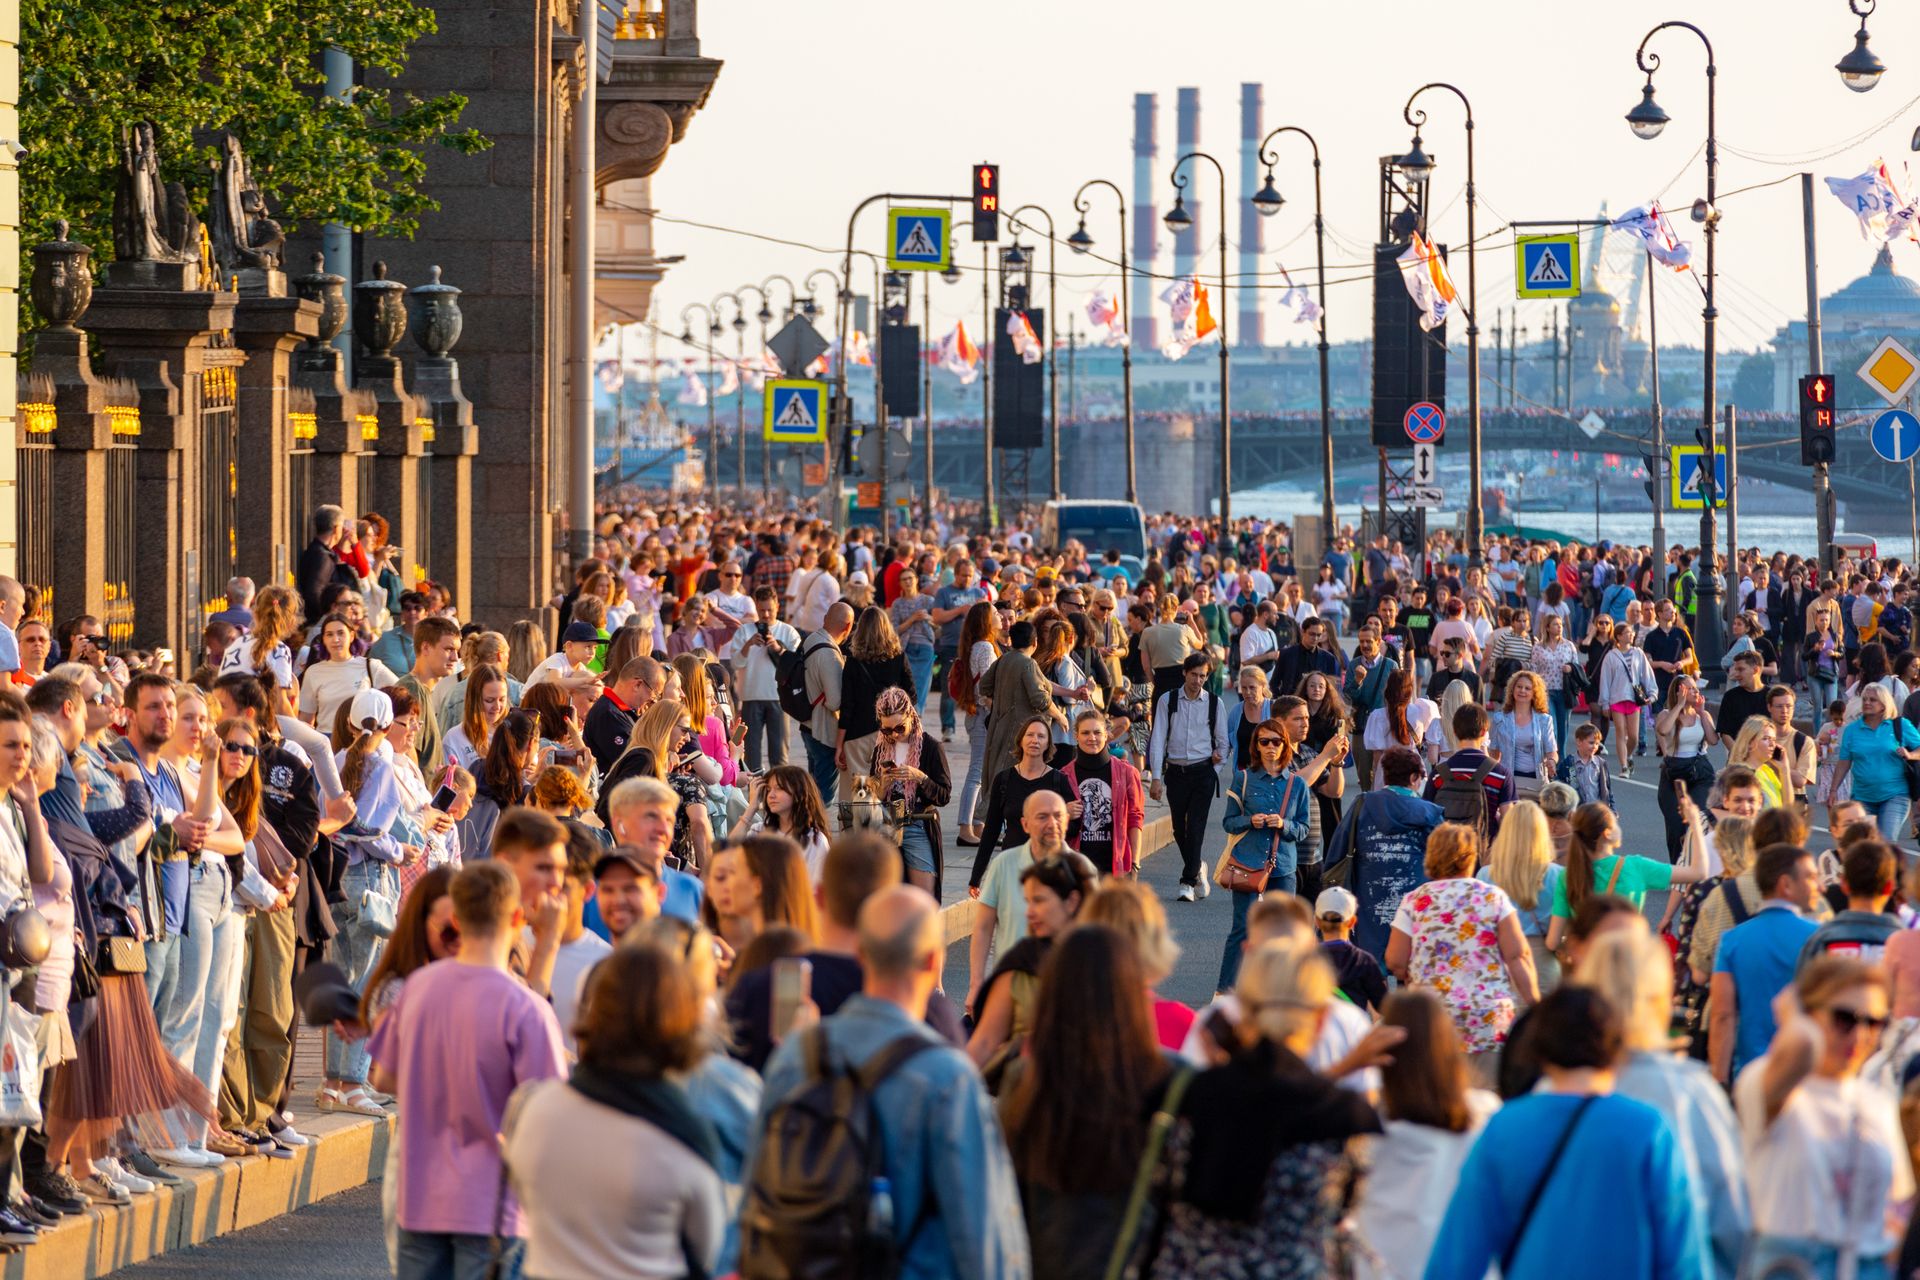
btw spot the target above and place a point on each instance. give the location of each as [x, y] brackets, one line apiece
[1157, 1131]
[378, 912]
[25, 938]
[118, 955]
[86, 978]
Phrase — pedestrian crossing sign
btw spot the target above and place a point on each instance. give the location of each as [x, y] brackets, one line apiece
[1686, 477]
[1547, 266]
[795, 411]
[919, 239]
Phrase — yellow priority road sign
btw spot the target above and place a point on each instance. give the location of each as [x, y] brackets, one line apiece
[1891, 370]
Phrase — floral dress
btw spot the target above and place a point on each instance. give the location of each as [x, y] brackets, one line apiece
[1454, 926]
[1689, 997]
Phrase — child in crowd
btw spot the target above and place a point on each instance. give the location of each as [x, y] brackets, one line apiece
[1827, 748]
[1586, 771]
[1358, 974]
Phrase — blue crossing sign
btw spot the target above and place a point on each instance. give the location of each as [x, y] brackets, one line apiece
[1547, 266]
[919, 239]
[1686, 477]
[1426, 422]
[796, 411]
[1896, 435]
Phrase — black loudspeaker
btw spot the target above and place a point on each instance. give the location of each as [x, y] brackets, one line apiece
[1019, 388]
[1409, 363]
[900, 369]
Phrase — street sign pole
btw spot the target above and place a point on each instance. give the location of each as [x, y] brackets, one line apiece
[1732, 598]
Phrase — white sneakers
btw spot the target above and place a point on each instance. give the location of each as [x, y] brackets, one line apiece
[1206, 884]
[1186, 894]
[112, 1170]
[189, 1157]
[288, 1136]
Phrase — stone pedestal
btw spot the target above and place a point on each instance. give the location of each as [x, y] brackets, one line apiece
[449, 554]
[268, 329]
[163, 341]
[396, 452]
[337, 443]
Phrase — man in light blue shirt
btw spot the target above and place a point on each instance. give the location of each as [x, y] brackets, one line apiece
[956, 1204]
[1755, 961]
[1002, 918]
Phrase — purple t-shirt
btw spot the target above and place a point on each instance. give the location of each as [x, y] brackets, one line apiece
[459, 1041]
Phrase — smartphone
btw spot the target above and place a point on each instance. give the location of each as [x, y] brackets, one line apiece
[566, 755]
[443, 798]
[792, 988]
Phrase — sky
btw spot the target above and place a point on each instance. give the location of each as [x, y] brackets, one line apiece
[821, 104]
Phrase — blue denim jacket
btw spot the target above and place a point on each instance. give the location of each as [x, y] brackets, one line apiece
[942, 1139]
[1503, 733]
[1261, 792]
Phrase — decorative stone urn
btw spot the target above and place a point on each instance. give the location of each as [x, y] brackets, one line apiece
[330, 291]
[379, 313]
[62, 285]
[435, 318]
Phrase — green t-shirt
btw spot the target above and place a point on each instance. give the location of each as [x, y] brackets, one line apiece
[1638, 878]
[1000, 889]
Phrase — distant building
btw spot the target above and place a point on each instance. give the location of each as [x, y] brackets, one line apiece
[1882, 303]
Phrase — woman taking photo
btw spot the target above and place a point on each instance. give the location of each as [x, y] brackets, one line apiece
[761, 883]
[1520, 733]
[1053, 654]
[1684, 731]
[716, 742]
[1402, 720]
[785, 802]
[874, 663]
[329, 684]
[1265, 821]
[1557, 665]
[1460, 938]
[1648, 1228]
[660, 1208]
[1433, 1115]
[912, 769]
[1634, 971]
[1595, 865]
[979, 649]
[1025, 774]
[1261, 1157]
[1521, 865]
[912, 615]
[1054, 891]
[663, 747]
[1802, 1105]
[1873, 753]
[485, 705]
[1076, 1109]
[1757, 746]
[1626, 684]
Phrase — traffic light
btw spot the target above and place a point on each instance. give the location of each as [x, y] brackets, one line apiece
[986, 202]
[1816, 419]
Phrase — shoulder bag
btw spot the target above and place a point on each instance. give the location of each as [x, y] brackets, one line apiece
[1235, 876]
[1157, 1131]
[1546, 1176]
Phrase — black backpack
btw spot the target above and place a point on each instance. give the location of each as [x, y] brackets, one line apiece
[1464, 800]
[790, 681]
[808, 1213]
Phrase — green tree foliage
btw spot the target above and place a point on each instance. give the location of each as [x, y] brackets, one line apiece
[253, 66]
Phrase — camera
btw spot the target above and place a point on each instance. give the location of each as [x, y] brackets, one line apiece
[765, 629]
[15, 151]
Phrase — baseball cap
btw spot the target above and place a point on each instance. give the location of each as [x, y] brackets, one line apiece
[1336, 902]
[580, 633]
[1045, 572]
[371, 705]
[859, 578]
[623, 856]
[989, 566]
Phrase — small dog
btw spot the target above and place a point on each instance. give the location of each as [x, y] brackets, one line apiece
[863, 810]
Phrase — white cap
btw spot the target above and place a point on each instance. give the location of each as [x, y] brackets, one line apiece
[1336, 902]
[858, 578]
[374, 705]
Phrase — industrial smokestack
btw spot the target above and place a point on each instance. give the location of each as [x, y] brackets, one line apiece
[1146, 224]
[1248, 291]
[1186, 132]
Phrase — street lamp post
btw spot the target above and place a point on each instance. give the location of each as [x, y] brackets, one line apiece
[1176, 220]
[1080, 242]
[1053, 359]
[713, 333]
[1268, 201]
[1648, 119]
[765, 317]
[1418, 167]
[739, 323]
[810, 308]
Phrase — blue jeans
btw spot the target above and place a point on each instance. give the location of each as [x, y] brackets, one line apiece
[1890, 815]
[225, 946]
[356, 949]
[209, 902]
[1561, 705]
[440, 1255]
[976, 767]
[1282, 881]
[920, 663]
[820, 764]
[1825, 691]
[942, 660]
[163, 972]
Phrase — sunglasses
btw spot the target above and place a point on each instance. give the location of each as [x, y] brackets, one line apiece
[1270, 742]
[893, 730]
[240, 748]
[1846, 1020]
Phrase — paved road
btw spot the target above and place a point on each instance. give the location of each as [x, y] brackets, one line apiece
[340, 1237]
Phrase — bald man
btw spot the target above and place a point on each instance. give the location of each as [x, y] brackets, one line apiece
[1001, 921]
[955, 1200]
[820, 652]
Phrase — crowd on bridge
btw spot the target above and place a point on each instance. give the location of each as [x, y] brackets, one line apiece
[572, 886]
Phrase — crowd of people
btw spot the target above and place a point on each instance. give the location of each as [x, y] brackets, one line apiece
[585, 893]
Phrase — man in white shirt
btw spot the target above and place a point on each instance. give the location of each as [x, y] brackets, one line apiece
[1189, 743]
[732, 607]
[1259, 646]
[753, 653]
